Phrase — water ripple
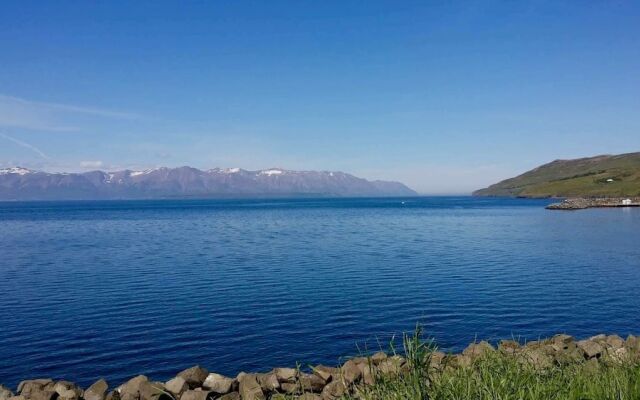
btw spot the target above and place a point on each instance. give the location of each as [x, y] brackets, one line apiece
[114, 289]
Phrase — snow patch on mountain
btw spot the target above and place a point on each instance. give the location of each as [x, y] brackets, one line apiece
[16, 170]
[270, 172]
[145, 172]
[224, 170]
[108, 177]
[188, 182]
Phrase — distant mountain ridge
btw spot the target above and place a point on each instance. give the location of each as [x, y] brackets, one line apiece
[604, 175]
[18, 183]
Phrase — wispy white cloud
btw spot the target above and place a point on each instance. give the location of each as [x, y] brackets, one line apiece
[25, 145]
[28, 114]
[72, 108]
[91, 164]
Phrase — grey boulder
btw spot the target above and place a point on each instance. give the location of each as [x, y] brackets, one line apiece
[67, 390]
[176, 386]
[197, 395]
[194, 376]
[97, 391]
[5, 393]
[249, 387]
[219, 384]
[37, 389]
[591, 348]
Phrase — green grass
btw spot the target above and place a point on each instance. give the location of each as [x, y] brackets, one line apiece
[581, 177]
[498, 376]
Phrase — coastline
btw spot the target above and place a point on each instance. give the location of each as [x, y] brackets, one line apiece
[354, 376]
[581, 203]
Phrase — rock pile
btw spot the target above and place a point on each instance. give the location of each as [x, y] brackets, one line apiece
[558, 350]
[580, 203]
[328, 383]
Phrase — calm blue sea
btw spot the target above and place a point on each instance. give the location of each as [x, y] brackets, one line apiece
[115, 289]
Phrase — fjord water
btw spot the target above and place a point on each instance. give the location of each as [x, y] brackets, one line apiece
[116, 289]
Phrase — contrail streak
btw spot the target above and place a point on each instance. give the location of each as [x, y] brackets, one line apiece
[70, 108]
[25, 145]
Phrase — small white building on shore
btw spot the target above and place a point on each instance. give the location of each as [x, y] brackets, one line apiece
[626, 202]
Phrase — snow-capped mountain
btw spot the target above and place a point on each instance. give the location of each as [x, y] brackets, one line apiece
[18, 183]
[15, 170]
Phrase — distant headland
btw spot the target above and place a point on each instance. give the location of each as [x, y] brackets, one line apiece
[604, 176]
[20, 184]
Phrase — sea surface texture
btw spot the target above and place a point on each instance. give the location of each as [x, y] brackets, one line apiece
[116, 289]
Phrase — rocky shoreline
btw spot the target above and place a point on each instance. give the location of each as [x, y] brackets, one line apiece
[330, 383]
[580, 203]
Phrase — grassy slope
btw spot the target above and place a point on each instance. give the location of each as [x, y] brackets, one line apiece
[581, 177]
[499, 376]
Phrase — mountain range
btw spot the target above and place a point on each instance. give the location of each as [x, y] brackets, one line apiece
[18, 183]
[604, 175]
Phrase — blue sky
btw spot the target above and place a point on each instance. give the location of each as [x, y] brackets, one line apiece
[444, 96]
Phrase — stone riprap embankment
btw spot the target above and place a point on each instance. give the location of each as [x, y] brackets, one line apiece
[328, 383]
[580, 203]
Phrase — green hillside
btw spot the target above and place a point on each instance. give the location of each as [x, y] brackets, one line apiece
[605, 175]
